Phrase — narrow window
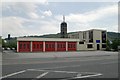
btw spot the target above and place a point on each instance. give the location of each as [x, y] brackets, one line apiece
[24, 46]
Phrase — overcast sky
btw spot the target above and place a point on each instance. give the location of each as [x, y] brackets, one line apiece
[38, 18]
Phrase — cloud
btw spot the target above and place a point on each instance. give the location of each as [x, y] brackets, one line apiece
[33, 15]
[44, 2]
[91, 15]
[16, 26]
[47, 13]
[13, 25]
[21, 9]
[36, 24]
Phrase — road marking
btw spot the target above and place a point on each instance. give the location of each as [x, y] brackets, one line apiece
[13, 74]
[65, 72]
[88, 76]
[52, 71]
[80, 76]
[40, 76]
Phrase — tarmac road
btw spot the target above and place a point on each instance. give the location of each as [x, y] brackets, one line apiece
[73, 67]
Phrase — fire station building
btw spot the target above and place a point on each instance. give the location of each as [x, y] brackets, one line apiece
[86, 40]
[28, 44]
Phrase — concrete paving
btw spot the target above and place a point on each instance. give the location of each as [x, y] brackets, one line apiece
[66, 65]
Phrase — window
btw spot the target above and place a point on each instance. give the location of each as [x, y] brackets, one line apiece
[58, 45]
[89, 46]
[90, 36]
[63, 45]
[52, 45]
[103, 36]
[49, 46]
[24, 46]
[40, 45]
[73, 45]
[34, 46]
[46, 45]
[28, 45]
[20, 46]
[37, 45]
[81, 42]
[68, 45]
[103, 45]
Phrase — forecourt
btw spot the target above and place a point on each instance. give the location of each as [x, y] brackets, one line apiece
[98, 64]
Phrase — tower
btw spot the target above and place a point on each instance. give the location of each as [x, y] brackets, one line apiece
[8, 36]
[63, 28]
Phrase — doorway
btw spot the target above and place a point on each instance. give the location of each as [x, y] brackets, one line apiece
[98, 47]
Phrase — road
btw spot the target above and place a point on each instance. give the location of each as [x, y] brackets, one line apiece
[104, 66]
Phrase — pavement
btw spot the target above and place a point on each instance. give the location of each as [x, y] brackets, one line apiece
[13, 55]
[60, 65]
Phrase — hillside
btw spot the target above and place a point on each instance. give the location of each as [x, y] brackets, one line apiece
[110, 35]
[113, 35]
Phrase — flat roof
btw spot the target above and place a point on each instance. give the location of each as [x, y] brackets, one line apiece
[45, 39]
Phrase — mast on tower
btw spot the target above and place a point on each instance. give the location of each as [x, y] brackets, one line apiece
[63, 18]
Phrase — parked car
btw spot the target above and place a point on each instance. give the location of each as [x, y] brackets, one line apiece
[8, 48]
[12, 48]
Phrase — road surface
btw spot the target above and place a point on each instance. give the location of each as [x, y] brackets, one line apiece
[61, 68]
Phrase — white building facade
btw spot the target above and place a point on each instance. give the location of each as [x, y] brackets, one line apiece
[93, 39]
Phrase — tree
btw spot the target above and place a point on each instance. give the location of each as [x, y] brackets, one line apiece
[115, 44]
[108, 45]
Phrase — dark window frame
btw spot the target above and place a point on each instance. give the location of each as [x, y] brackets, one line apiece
[103, 45]
[81, 42]
[89, 45]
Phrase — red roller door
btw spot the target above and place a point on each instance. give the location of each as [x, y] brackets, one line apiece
[37, 46]
[61, 46]
[49, 46]
[71, 46]
[24, 46]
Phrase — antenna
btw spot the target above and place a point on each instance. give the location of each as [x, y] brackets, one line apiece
[63, 18]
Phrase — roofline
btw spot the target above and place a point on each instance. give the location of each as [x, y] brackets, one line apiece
[96, 29]
[45, 39]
